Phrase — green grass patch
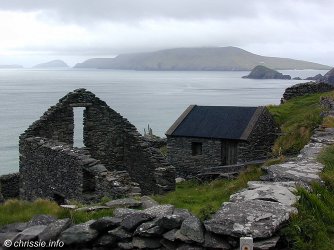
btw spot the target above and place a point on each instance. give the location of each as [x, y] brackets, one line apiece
[21, 211]
[205, 199]
[313, 226]
[297, 118]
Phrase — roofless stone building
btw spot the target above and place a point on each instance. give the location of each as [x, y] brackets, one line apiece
[116, 160]
[209, 136]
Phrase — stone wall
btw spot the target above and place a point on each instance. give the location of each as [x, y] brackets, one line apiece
[305, 89]
[108, 137]
[261, 139]
[188, 165]
[10, 186]
[258, 146]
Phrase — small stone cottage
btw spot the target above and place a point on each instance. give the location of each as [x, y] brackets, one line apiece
[116, 160]
[209, 136]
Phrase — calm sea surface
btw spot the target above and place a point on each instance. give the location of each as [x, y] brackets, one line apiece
[143, 97]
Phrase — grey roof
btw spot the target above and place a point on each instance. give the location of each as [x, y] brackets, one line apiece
[221, 122]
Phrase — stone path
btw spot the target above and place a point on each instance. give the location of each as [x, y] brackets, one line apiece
[265, 206]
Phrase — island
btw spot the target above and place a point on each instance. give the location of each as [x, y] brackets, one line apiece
[52, 64]
[263, 72]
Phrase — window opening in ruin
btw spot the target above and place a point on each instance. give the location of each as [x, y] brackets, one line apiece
[78, 127]
[89, 184]
[196, 148]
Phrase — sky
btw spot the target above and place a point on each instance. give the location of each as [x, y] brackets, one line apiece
[35, 31]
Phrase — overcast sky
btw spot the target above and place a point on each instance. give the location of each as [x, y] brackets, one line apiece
[33, 31]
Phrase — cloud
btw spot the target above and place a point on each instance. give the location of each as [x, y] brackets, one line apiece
[299, 28]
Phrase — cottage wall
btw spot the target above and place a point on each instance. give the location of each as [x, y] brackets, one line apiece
[187, 165]
[260, 140]
[108, 136]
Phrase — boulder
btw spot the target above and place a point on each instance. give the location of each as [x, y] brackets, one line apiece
[105, 240]
[54, 229]
[14, 227]
[126, 202]
[192, 228]
[41, 219]
[120, 233]
[105, 224]
[302, 172]
[182, 212]
[148, 202]
[266, 244]
[30, 233]
[182, 237]
[270, 191]
[122, 212]
[214, 241]
[145, 243]
[79, 234]
[132, 221]
[160, 210]
[169, 222]
[258, 218]
[149, 229]
[170, 235]
[262, 72]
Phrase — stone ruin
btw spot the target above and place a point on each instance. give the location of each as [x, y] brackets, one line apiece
[116, 160]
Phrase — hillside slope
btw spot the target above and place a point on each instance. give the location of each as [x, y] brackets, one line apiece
[215, 58]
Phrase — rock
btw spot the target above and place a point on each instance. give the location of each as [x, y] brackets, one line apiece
[262, 72]
[266, 244]
[270, 191]
[54, 229]
[79, 234]
[189, 247]
[296, 78]
[30, 233]
[145, 243]
[105, 224]
[14, 227]
[182, 212]
[90, 209]
[314, 78]
[131, 222]
[170, 235]
[215, 241]
[311, 151]
[126, 202]
[328, 77]
[120, 233]
[169, 222]
[323, 136]
[302, 172]
[41, 219]
[105, 240]
[70, 207]
[149, 229]
[125, 245]
[193, 229]
[122, 212]
[258, 218]
[148, 202]
[168, 244]
[182, 237]
[160, 210]
[7, 236]
[179, 179]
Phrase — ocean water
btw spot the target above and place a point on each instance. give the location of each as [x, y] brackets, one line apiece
[156, 98]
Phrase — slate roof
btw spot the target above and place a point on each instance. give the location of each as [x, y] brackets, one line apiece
[219, 122]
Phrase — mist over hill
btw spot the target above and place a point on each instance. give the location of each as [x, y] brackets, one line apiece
[201, 59]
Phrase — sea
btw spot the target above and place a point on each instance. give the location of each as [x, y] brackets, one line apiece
[154, 98]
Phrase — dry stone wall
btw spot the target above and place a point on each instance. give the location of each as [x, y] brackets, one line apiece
[10, 186]
[302, 89]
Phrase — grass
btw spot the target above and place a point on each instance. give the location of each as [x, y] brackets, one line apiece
[21, 211]
[297, 118]
[205, 199]
[313, 226]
